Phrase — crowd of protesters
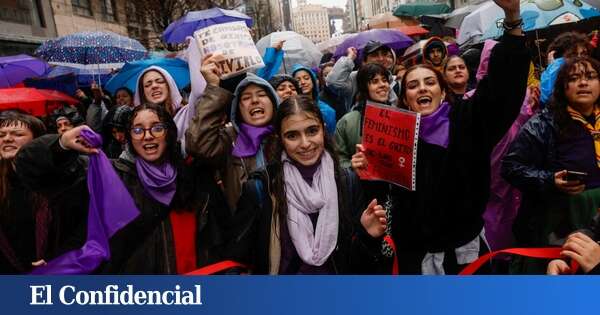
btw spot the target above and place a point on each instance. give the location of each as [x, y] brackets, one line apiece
[264, 169]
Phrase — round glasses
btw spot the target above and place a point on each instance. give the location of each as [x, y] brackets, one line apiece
[157, 131]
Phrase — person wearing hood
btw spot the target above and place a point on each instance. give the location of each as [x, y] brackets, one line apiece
[435, 53]
[342, 79]
[285, 85]
[65, 118]
[155, 85]
[309, 85]
[456, 75]
[234, 149]
[113, 131]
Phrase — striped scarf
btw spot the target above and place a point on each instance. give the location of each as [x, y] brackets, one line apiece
[594, 130]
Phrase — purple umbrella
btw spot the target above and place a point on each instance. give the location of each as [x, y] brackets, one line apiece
[15, 69]
[177, 31]
[389, 37]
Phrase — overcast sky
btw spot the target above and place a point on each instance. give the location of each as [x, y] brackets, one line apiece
[327, 3]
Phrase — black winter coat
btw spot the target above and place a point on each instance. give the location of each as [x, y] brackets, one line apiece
[445, 211]
[144, 246]
[356, 251]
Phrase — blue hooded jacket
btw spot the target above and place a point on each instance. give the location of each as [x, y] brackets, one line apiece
[547, 80]
[327, 111]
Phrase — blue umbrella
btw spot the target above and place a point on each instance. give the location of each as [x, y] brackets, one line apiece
[89, 50]
[177, 31]
[486, 21]
[15, 69]
[85, 77]
[129, 74]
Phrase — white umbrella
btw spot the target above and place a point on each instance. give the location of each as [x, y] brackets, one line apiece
[454, 19]
[297, 49]
[330, 44]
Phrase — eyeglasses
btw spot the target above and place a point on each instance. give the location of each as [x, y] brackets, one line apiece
[588, 76]
[157, 131]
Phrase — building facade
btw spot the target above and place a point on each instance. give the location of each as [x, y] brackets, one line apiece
[72, 16]
[24, 25]
[312, 21]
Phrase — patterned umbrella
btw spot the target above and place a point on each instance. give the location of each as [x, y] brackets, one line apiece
[85, 77]
[15, 69]
[486, 21]
[177, 31]
[91, 50]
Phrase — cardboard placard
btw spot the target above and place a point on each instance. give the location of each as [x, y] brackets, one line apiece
[390, 138]
[233, 46]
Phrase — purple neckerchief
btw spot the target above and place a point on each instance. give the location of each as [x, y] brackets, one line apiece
[434, 128]
[111, 207]
[249, 139]
[158, 180]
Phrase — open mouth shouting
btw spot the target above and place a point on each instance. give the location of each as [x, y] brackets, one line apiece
[150, 148]
[424, 101]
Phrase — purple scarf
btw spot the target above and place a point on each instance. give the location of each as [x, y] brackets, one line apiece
[111, 207]
[434, 128]
[158, 180]
[249, 139]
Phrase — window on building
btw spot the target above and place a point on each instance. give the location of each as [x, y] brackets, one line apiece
[20, 11]
[107, 8]
[82, 7]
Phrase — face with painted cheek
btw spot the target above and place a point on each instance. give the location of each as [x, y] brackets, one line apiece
[12, 138]
[156, 88]
[456, 73]
[305, 80]
[423, 91]
[149, 144]
[123, 98]
[256, 107]
[285, 90]
[63, 125]
[379, 88]
[303, 138]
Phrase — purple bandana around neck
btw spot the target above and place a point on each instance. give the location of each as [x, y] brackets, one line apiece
[434, 128]
[158, 180]
[249, 139]
[111, 207]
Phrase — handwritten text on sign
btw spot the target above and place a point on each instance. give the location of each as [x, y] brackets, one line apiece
[390, 142]
[232, 44]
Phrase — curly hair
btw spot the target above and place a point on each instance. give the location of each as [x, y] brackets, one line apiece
[560, 102]
[565, 45]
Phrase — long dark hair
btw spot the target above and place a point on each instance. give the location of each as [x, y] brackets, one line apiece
[559, 102]
[365, 74]
[295, 105]
[565, 44]
[172, 153]
[11, 118]
[438, 75]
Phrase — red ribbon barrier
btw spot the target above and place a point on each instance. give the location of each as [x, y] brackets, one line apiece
[543, 253]
[215, 268]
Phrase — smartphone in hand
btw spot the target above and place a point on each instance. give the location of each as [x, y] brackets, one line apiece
[573, 176]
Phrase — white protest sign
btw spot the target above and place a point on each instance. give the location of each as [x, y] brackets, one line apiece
[233, 46]
[291, 40]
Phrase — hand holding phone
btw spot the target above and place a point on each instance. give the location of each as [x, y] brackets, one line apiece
[573, 176]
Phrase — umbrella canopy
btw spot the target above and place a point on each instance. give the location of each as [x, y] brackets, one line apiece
[330, 44]
[129, 74]
[85, 77]
[297, 49]
[177, 31]
[391, 38]
[454, 19]
[89, 50]
[15, 69]
[37, 102]
[418, 9]
[486, 21]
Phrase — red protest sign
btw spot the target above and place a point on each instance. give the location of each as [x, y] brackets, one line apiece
[390, 142]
